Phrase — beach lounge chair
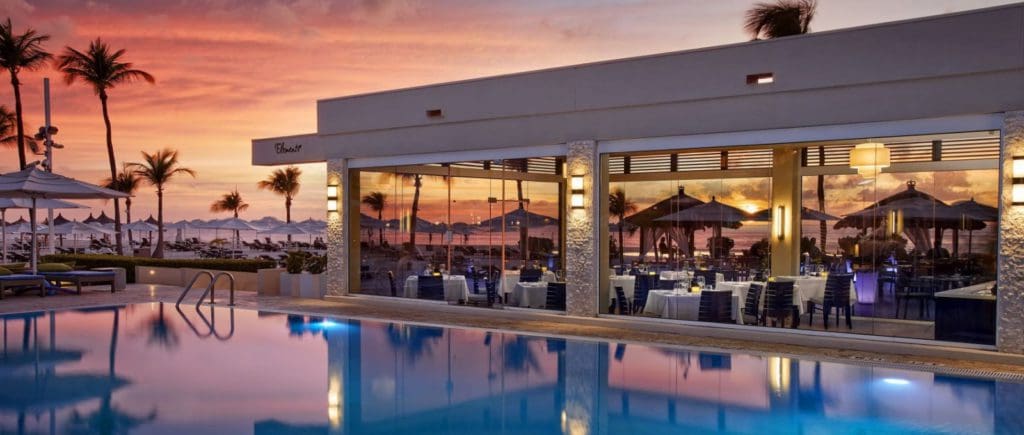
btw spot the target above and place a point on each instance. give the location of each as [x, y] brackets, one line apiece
[79, 278]
[22, 282]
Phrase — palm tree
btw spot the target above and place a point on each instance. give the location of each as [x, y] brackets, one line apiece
[417, 182]
[284, 182]
[780, 19]
[9, 130]
[157, 170]
[126, 181]
[377, 201]
[233, 202]
[103, 69]
[21, 52]
[620, 206]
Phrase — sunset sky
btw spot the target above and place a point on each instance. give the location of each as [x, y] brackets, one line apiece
[229, 71]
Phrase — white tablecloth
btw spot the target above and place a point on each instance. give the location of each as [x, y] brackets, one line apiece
[686, 306]
[627, 282]
[510, 278]
[656, 301]
[530, 294]
[455, 287]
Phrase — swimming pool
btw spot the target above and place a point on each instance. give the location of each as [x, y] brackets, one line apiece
[149, 368]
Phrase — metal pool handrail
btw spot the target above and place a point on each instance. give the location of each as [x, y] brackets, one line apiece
[209, 287]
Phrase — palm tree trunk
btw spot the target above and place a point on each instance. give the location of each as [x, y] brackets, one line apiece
[622, 249]
[822, 226]
[21, 126]
[159, 251]
[380, 231]
[417, 183]
[128, 216]
[288, 213]
[524, 233]
[237, 233]
[113, 174]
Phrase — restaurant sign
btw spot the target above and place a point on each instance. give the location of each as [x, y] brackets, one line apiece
[286, 150]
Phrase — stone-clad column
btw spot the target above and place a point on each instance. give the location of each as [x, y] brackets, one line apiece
[337, 246]
[581, 242]
[1010, 303]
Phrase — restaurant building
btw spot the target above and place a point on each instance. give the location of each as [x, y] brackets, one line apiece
[865, 174]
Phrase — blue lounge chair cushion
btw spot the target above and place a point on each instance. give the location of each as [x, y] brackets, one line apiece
[74, 273]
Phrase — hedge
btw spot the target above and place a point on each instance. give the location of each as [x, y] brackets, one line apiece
[89, 261]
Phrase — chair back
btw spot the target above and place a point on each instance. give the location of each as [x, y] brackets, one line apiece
[837, 289]
[709, 276]
[730, 275]
[752, 305]
[555, 296]
[430, 287]
[391, 280]
[778, 296]
[492, 291]
[715, 306]
[667, 284]
[530, 275]
[620, 300]
[644, 284]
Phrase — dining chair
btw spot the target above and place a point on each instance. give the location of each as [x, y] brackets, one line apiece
[778, 304]
[430, 287]
[555, 296]
[715, 306]
[621, 301]
[837, 296]
[752, 304]
[530, 275]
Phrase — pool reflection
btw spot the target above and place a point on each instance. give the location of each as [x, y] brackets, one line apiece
[150, 368]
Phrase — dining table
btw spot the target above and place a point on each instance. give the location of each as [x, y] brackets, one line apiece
[510, 278]
[455, 287]
[682, 305]
[529, 294]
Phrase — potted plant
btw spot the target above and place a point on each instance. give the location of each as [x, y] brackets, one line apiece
[294, 264]
[311, 283]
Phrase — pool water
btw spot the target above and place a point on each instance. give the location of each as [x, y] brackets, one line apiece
[149, 368]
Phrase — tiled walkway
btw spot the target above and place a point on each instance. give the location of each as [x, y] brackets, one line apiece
[520, 321]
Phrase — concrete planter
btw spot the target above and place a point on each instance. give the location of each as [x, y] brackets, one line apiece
[268, 281]
[290, 284]
[244, 281]
[311, 286]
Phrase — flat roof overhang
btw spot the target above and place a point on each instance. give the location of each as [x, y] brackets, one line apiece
[947, 66]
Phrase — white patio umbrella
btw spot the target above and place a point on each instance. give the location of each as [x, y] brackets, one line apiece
[6, 203]
[141, 226]
[75, 228]
[180, 227]
[36, 184]
[292, 229]
[234, 224]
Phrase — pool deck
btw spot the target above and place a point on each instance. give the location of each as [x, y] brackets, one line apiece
[805, 344]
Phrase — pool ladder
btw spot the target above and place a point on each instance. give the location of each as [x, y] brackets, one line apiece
[209, 287]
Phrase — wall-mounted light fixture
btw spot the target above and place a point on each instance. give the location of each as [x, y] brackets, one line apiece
[332, 197]
[895, 222]
[1018, 181]
[780, 222]
[576, 192]
[870, 158]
